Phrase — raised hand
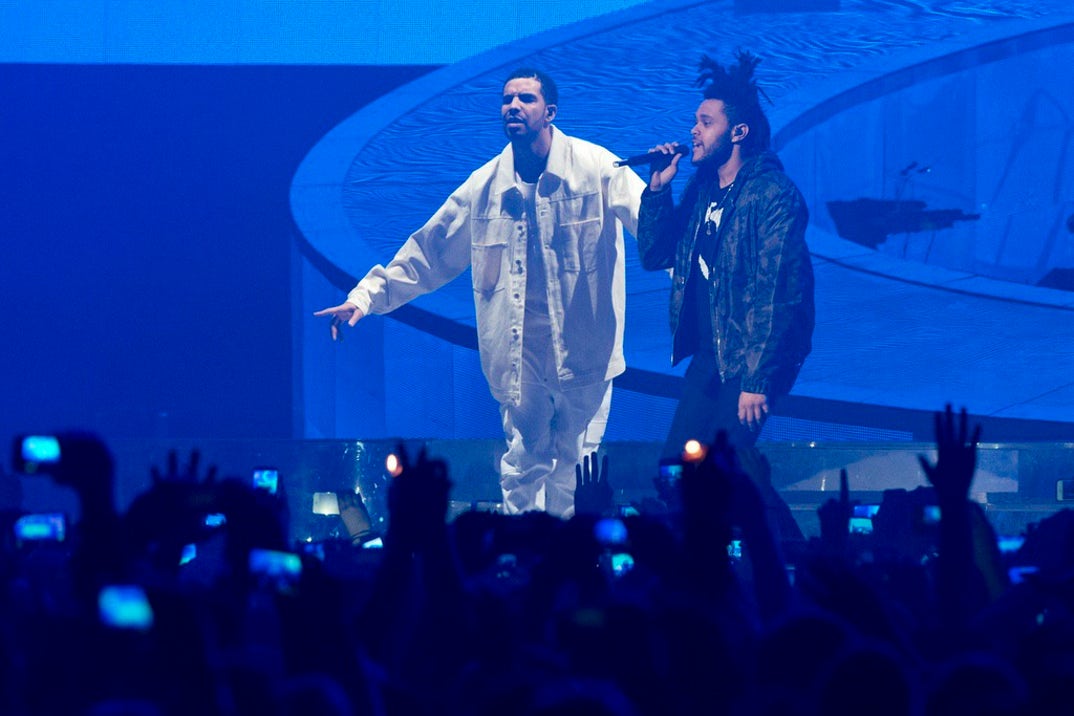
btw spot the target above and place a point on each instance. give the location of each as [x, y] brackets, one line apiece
[189, 474]
[835, 516]
[592, 491]
[956, 457]
[355, 516]
[345, 313]
[417, 502]
[961, 586]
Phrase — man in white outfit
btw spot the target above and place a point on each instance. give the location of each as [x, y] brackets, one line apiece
[541, 226]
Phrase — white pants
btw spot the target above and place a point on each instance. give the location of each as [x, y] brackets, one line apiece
[548, 433]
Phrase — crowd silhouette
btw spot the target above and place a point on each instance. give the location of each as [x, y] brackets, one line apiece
[702, 599]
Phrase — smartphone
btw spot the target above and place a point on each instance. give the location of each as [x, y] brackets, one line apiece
[1009, 544]
[611, 531]
[215, 519]
[861, 518]
[267, 479]
[671, 471]
[279, 567]
[33, 454]
[47, 527]
[621, 563]
[1064, 490]
[325, 503]
[189, 554]
[124, 606]
[1017, 575]
[313, 549]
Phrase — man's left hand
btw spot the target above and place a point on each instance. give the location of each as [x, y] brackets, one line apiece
[752, 409]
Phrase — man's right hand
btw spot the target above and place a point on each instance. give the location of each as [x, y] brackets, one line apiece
[345, 312]
[664, 172]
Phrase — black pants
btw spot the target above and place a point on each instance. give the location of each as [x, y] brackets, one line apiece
[707, 405]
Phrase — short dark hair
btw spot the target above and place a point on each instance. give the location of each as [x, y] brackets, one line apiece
[736, 87]
[548, 85]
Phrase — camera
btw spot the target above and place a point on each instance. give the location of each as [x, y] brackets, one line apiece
[33, 454]
[267, 479]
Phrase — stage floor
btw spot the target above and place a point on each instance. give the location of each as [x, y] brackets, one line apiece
[1015, 482]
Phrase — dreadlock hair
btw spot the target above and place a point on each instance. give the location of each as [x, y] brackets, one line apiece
[736, 87]
[548, 86]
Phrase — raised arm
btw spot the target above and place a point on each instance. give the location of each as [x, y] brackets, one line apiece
[661, 224]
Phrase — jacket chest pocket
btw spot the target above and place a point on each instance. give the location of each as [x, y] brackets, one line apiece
[579, 221]
[577, 245]
[489, 253]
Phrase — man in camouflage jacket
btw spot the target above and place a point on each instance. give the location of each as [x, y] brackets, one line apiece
[742, 281]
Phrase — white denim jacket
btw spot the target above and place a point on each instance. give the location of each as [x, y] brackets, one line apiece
[583, 203]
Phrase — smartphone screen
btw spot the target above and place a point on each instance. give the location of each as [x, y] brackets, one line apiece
[1020, 574]
[47, 527]
[282, 567]
[621, 563]
[189, 554]
[36, 453]
[671, 471]
[861, 519]
[266, 478]
[124, 607]
[215, 519]
[325, 503]
[1064, 490]
[610, 531]
[1008, 544]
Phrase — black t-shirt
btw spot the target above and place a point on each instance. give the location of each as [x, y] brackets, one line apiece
[697, 317]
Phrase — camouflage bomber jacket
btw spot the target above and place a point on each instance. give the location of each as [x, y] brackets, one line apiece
[762, 282]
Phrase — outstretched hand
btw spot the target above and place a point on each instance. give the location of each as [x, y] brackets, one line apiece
[956, 457]
[592, 491]
[345, 313]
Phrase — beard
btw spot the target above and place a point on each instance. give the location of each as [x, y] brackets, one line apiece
[719, 154]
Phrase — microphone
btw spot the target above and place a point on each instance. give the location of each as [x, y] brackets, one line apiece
[641, 159]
